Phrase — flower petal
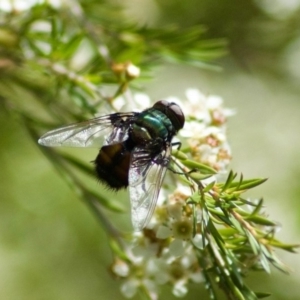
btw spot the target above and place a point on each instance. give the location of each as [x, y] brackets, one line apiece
[176, 247]
[129, 288]
[179, 289]
[163, 232]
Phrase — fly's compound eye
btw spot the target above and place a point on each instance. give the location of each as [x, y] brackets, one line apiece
[172, 111]
[176, 116]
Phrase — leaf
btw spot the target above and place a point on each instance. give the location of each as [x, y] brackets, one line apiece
[214, 232]
[236, 225]
[87, 169]
[108, 203]
[261, 295]
[229, 180]
[274, 260]
[209, 187]
[265, 263]
[248, 184]
[253, 243]
[117, 250]
[249, 295]
[201, 167]
[197, 176]
[260, 220]
[195, 198]
[227, 232]
[287, 247]
[258, 207]
[179, 155]
[71, 46]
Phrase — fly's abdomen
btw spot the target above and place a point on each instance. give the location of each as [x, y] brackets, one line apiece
[112, 165]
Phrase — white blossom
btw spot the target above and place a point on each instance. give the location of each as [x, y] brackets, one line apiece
[165, 251]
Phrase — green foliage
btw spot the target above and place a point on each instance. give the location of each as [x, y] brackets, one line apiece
[76, 56]
[237, 239]
[72, 62]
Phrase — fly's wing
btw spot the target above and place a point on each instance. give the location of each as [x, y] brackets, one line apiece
[145, 179]
[113, 128]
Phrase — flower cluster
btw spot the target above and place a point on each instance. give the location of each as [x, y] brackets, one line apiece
[163, 253]
[166, 251]
[205, 128]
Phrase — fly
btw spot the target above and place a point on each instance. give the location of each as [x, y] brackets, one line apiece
[135, 151]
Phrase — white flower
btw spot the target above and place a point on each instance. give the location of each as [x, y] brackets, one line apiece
[182, 229]
[205, 128]
[163, 232]
[120, 268]
[132, 71]
[198, 241]
[142, 247]
[180, 289]
[129, 288]
[192, 129]
[179, 228]
[176, 248]
[175, 210]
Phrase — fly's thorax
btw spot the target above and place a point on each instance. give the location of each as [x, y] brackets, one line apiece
[152, 125]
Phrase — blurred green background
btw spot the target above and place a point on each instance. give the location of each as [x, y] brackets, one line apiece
[51, 247]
